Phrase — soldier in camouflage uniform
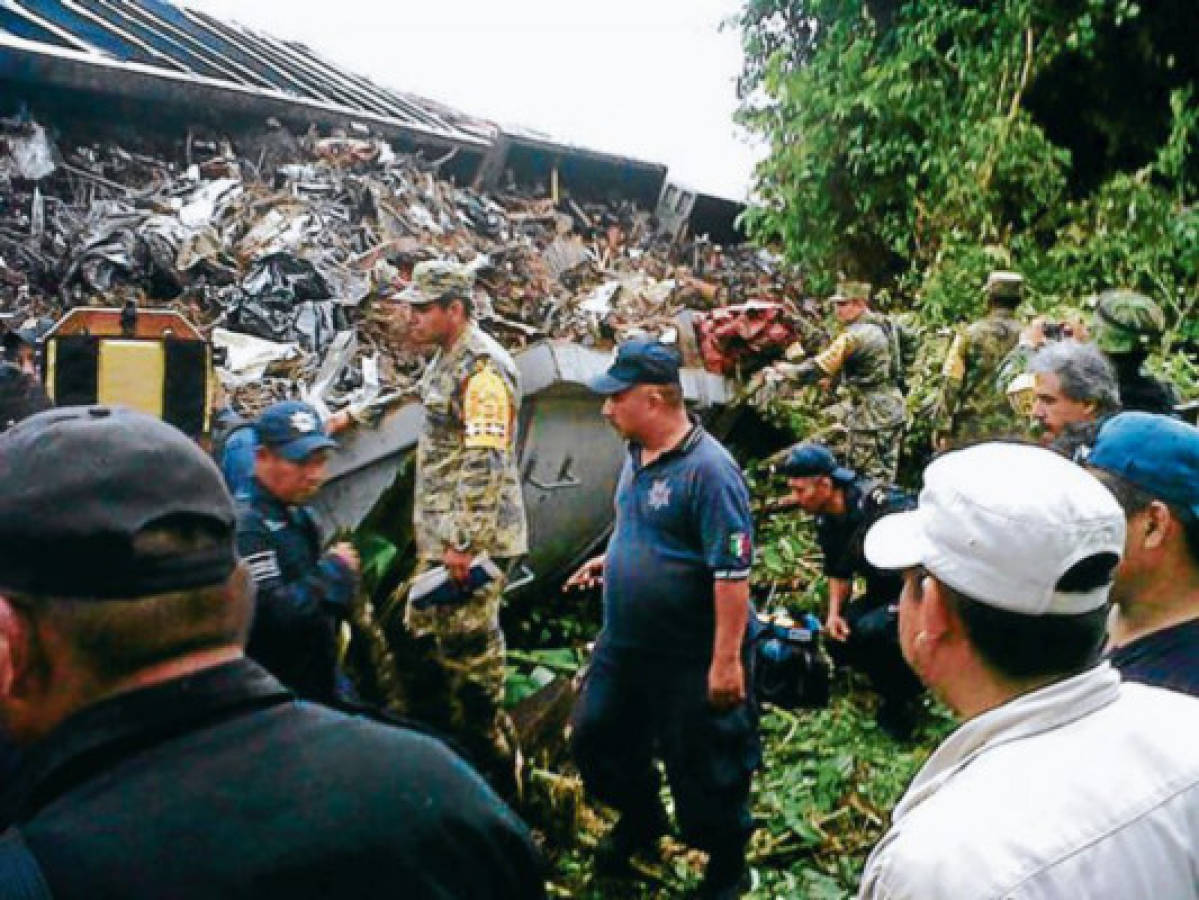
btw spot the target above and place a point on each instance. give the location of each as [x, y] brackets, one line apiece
[1127, 326]
[867, 357]
[969, 407]
[467, 502]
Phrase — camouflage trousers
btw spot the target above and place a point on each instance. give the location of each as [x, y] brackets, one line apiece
[452, 672]
[870, 451]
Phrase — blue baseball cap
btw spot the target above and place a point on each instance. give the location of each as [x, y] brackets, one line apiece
[639, 361]
[809, 460]
[1158, 454]
[293, 430]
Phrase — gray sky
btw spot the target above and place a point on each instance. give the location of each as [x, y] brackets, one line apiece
[652, 79]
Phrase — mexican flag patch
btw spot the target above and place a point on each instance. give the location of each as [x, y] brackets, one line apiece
[739, 544]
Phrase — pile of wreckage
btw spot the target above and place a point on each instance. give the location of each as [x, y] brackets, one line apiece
[277, 249]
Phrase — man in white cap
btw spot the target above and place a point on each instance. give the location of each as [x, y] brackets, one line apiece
[1063, 782]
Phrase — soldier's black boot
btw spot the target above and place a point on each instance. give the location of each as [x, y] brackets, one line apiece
[632, 834]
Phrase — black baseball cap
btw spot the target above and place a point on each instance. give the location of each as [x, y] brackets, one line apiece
[808, 460]
[638, 361]
[79, 484]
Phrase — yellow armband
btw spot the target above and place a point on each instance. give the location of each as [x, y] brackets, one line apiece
[832, 358]
[487, 410]
[955, 361]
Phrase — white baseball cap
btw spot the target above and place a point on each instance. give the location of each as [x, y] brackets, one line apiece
[1001, 523]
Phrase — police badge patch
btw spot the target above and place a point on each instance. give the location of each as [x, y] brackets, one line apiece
[303, 422]
[659, 494]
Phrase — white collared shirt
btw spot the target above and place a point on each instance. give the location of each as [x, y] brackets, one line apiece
[1087, 788]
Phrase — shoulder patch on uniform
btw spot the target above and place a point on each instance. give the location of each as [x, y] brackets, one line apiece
[955, 361]
[263, 566]
[739, 545]
[487, 410]
[833, 357]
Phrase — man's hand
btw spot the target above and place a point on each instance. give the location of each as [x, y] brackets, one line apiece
[339, 422]
[457, 563]
[588, 575]
[345, 552]
[726, 683]
[837, 627]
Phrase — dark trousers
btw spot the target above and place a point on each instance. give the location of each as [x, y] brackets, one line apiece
[873, 649]
[633, 710]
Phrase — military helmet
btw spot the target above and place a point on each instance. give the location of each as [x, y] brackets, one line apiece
[435, 279]
[852, 290]
[1005, 287]
[1126, 321]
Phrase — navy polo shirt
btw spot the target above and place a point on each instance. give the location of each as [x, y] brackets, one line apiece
[1168, 658]
[682, 522]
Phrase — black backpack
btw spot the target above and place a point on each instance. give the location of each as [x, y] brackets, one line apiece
[791, 669]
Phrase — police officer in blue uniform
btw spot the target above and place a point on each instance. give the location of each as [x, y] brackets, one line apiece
[669, 676]
[303, 595]
[864, 630]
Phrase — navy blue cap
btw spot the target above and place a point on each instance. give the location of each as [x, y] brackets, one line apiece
[1158, 454]
[808, 460]
[639, 361]
[293, 430]
[80, 485]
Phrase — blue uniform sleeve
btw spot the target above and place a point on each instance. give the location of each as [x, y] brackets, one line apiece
[726, 524]
[237, 461]
[299, 601]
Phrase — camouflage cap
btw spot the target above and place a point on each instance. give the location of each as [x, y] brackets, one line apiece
[436, 279]
[852, 290]
[1126, 321]
[1003, 285]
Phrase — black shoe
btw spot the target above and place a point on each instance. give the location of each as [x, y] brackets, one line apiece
[628, 837]
[724, 880]
[897, 719]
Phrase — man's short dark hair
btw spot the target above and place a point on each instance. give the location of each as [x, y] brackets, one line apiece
[672, 394]
[468, 303]
[1134, 499]
[1022, 647]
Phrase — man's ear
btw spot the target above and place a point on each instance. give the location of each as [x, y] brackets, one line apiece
[937, 618]
[13, 642]
[1156, 525]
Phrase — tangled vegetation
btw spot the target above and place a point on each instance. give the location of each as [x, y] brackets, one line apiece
[918, 145]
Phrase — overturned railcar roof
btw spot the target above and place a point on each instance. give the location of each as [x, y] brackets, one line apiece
[173, 57]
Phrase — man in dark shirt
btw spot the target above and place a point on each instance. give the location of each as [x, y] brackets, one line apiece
[159, 762]
[1151, 464]
[1128, 327]
[668, 676]
[866, 629]
[303, 595]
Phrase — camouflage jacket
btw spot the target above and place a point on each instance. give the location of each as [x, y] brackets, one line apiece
[866, 359]
[970, 405]
[467, 485]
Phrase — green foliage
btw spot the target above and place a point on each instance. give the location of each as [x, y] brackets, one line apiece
[823, 797]
[902, 151]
